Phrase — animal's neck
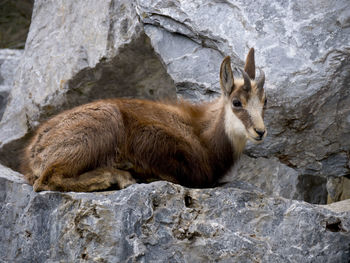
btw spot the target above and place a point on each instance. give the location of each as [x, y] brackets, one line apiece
[221, 126]
[224, 144]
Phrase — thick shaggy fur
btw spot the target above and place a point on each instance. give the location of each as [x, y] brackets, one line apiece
[121, 141]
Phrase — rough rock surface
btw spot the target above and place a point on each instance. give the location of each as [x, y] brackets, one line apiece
[338, 188]
[163, 222]
[85, 50]
[275, 178]
[9, 59]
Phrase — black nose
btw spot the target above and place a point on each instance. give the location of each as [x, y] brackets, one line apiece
[260, 132]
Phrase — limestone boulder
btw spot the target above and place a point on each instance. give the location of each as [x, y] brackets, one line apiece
[9, 60]
[276, 178]
[163, 222]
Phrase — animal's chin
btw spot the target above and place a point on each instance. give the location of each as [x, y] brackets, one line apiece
[256, 140]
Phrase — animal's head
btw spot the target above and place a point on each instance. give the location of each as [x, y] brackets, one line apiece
[244, 100]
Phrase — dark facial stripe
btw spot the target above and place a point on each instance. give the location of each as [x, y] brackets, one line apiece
[244, 116]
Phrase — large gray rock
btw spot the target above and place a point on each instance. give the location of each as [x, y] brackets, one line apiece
[163, 222]
[276, 178]
[9, 59]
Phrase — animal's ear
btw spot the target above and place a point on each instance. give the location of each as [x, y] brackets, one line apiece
[226, 76]
[250, 64]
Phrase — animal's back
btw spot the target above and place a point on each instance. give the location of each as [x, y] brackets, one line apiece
[85, 135]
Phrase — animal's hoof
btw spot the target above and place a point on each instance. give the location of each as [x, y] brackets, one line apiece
[38, 187]
[126, 183]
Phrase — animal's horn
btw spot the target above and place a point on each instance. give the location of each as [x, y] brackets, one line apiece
[246, 78]
[261, 80]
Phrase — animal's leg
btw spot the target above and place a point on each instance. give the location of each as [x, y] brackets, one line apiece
[98, 179]
[122, 178]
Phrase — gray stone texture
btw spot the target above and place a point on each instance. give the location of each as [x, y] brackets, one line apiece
[163, 222]
[9, 59]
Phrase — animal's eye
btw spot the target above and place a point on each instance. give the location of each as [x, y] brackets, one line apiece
[237, 104]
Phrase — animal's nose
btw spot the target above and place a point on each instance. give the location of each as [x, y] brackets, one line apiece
[260, 132]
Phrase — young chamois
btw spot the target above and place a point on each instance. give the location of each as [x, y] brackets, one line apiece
[117, 142]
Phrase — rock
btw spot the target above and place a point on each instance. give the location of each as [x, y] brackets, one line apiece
[9, 59]
[338, 189]
[276, 178]
[164, 222]
[193, 67]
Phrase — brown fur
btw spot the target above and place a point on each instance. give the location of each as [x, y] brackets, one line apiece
[121, 141]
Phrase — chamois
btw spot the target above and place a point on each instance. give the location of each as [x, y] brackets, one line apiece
[118, 142]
